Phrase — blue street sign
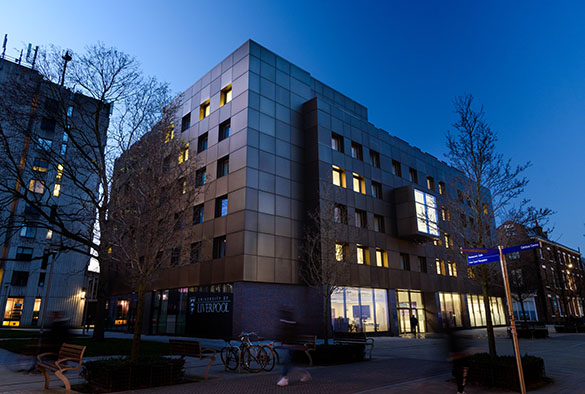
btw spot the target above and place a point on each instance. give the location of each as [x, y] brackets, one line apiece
[482, 258]
[520, 248]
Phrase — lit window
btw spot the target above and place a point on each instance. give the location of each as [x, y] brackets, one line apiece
[202, 143]
[184, 155]
[442, 188]
[430, 183]
[426, 213]
[223, 166]
[28, 232]
[445, 214]
[198, 214]
[226, 95]
[338, 176]
[448, 241]
[170, 134]
[441, 267]
[49, 234]
[363, 256]
[361, 219]
[44, 143]
[186, 122]
[221, 206]
[452, 269]
[40, 165]
[356, 151]
[339, 251]
[359, 184]
[219, 247]
[204, 110]
[59, 175]
[381, 259]
[374, 158]
[376, 190]
[224, 130]
[36, 186]
[379, 223]
[56, 190]
[337, 142]
[201, 176]
[69, 111]
[63, 149]
[340, 214]
[396, 168]
[413, 175]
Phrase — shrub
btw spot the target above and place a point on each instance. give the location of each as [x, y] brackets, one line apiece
[503, 371]
[115, 374]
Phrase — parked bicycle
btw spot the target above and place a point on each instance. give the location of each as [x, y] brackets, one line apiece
[253, 358]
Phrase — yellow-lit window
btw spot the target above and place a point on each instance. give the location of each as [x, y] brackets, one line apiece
[381, 258]
[359, 185]
[441, 267]
[170, 134]
[56, 190]
[59, 172]
[226, 95]
[452, 269]
[41, 165]
[36, 186]
[339, 252]
[49, 234]
[338, 176]
[204, 110]
[184, 155]
[363, 255]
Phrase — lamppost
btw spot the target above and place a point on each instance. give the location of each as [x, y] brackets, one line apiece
[84, 298]
[53, 252]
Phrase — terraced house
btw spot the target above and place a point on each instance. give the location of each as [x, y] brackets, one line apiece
[271, 143]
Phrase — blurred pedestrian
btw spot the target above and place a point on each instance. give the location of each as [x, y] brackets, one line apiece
[458, 355]
[288, 331]
[413, 324]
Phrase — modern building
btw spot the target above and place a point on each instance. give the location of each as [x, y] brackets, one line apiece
[38, 269]
[547, 284]
[271, 144]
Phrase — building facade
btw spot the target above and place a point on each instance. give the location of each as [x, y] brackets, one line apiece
[273, 143]
[40, 270]
[547, 284]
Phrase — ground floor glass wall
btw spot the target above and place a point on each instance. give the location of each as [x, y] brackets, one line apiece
[451, 309]
[529, 305]
[409, 303]
[477, 314]
[359, 310]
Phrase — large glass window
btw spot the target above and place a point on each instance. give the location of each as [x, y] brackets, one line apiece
[410, 303]
[451, 309]
[426, 213]
[477, 314]
[13, 311]
[359, 310]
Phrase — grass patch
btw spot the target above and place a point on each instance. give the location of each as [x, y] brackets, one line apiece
[107, 347]
[15, 333]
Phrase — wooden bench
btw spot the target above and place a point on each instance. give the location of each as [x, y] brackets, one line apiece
[68, 359]
[306, 343]
[354, 338]
[183, 348]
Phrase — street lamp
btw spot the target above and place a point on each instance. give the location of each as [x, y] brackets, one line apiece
[83, 295]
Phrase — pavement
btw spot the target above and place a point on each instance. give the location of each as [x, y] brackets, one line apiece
[399, 365]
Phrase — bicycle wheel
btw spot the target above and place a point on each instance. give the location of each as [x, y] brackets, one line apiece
[230, 357]
[255, 358]
[271, 359]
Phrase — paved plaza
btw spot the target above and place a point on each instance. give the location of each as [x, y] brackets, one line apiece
[399, 365]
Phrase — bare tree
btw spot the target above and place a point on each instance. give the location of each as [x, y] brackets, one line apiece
[98, 103]
[489, 184]
[153, 193]
[324, 253]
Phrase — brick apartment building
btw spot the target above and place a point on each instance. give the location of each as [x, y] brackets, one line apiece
[271, 142]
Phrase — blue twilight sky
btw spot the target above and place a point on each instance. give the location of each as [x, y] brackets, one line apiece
[405, 61]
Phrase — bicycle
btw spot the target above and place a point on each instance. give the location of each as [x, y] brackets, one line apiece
[253, 358]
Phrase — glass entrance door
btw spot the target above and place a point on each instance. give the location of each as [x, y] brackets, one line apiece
[410, 303]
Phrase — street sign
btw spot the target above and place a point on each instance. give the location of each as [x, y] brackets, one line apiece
[480, 250]
[520, 248]
[482, 258]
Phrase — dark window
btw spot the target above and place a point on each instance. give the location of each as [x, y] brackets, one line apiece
[186, 122]
[201, 176]
[40, 165]
[379, 223]
[413, 175]
[356, 151]
[178, 221]
[24, 254]
[48, 124]
[460, 196]
[224, 130]
[431, 183]
[374, 158]
[198, 214]
[28, 231]
[167, 163]
[396, 168]
[376, 190]
[19, 278]
[45, 260]
[44, 144]
[195, 252]
[219, 245]
[361, 219]
[42, 279]
[223, 166]
[441, 188]
[204, 110]
[176, 256]
[422, 264]
[221, 206]
[340, 214]
[63, 149]
[51, 106]
[337, 142]
[404, 262]
[202, 143]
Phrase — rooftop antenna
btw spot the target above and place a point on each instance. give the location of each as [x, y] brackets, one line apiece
[20, 58]
[35, 57]
[4, 45]
[67, 58]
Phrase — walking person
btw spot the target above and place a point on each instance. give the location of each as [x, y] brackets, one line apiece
[458, 353]
[288, 330]
[413, 324]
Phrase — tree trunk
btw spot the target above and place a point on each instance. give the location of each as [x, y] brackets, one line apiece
[100, 312]
[488, 322]
[138, 322]
[326, 320]
[522, 308]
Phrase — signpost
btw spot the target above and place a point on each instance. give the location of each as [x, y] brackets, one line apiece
[482, 256]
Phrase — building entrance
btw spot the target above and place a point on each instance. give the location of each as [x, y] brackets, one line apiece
[410, 303]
